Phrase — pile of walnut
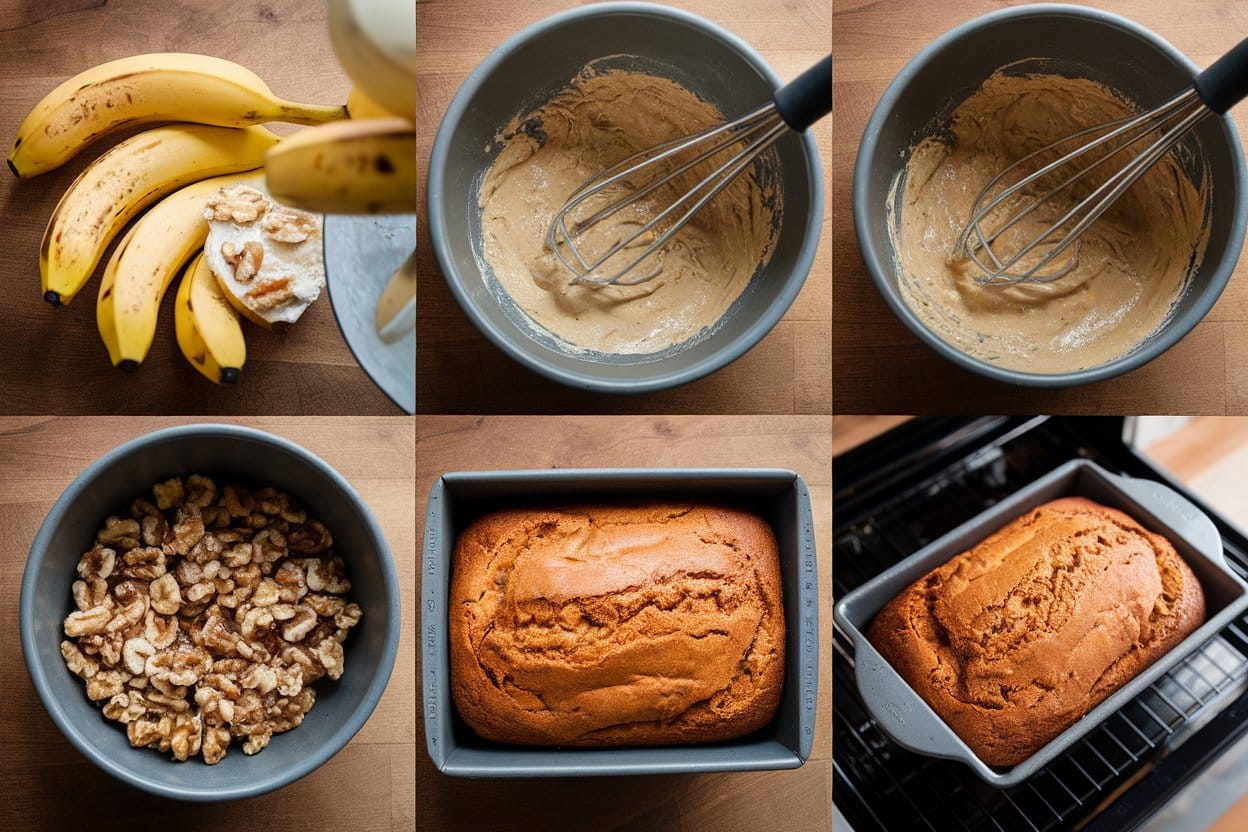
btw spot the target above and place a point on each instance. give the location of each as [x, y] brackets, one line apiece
[206, 615]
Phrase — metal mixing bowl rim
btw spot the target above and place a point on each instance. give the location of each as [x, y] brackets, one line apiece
[263, 781]
[504, 337]
[1171, 332]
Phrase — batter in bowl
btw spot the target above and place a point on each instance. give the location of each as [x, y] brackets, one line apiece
[598, 120]
[1133, 265]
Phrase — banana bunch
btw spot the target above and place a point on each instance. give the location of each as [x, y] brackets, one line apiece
[124, 181]
[145, 262]
[217, 141]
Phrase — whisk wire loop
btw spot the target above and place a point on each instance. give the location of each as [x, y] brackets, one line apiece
[759, 129]
[794, 108]
[1173, 120]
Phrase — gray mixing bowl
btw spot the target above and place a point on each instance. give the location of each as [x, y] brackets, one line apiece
[108, 486]
[1071, 40]
[526, 71]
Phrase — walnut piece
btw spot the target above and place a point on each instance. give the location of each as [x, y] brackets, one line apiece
[203, 616]
[165, 594]
[239, 204]
[246, 263]
[304, 621]
[327, 577]
[159, 630]
[136, 652]
[97, 563]
[169, 494]
[146, 564]
[91, 593]
[186, 530]
[285, 225]
[89, 622]
[81, 666]
[216, 740]
[119, 534]
[269, 294]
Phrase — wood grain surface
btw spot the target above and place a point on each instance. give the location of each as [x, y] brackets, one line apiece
[777, 801]
[47, 785]
[1210, 455]
[879, 366]
[53, 359]
[459, 371]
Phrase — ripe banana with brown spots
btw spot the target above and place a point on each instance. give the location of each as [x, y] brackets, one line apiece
[124, 181]
[146, 89]
[145, 262]
[361, 166]
[208, 329]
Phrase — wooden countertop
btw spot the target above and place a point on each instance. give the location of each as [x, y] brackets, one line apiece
[54, 360]
[879, 366]
[47, 785]
[850, 431]
[785, 801]
[459, 371]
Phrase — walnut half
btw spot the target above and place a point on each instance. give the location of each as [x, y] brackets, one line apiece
[238, 203]
[246, 263]
[270, 294]
[286, 226]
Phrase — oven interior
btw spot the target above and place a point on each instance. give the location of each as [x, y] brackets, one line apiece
[900, 491]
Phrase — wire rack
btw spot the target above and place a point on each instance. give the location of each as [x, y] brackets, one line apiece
[878, 784]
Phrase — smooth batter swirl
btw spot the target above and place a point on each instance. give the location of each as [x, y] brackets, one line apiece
[1134, 261]
[595, 122]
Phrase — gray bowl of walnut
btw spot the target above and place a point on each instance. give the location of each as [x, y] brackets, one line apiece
[225, 454]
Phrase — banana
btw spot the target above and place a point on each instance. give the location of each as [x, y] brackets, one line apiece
[146, 89]
[146, 260]
[359, 105]
[375, 42]
[208, 329]
[242, 309]
[396, 308]
[124, 181]
[362, 166]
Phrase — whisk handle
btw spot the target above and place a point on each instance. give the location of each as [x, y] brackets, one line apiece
[1225, 82]
[808, 97]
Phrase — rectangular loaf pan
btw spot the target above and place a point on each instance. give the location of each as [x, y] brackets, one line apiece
[778, 496]
[908, 719]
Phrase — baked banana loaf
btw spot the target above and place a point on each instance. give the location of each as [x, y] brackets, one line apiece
[1015, 640]
[600, 625]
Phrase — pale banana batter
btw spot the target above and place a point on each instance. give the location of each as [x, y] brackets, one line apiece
[597, 121]
[1133, 266]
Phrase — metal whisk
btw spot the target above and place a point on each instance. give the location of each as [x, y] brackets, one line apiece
[1006, 199]
[796, 106]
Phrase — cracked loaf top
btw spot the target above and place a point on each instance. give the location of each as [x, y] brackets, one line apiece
[603, 625]
[1015, 640]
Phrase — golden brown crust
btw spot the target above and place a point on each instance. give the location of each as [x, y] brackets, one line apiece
[597, 625]
[1016, 639]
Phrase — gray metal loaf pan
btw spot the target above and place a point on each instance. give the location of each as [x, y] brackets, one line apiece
[903, 714]
[778, 496]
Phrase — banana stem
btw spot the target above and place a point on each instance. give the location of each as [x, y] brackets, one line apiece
[311, 114]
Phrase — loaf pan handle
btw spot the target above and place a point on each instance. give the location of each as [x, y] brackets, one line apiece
[1177, 511]
[900, 712]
